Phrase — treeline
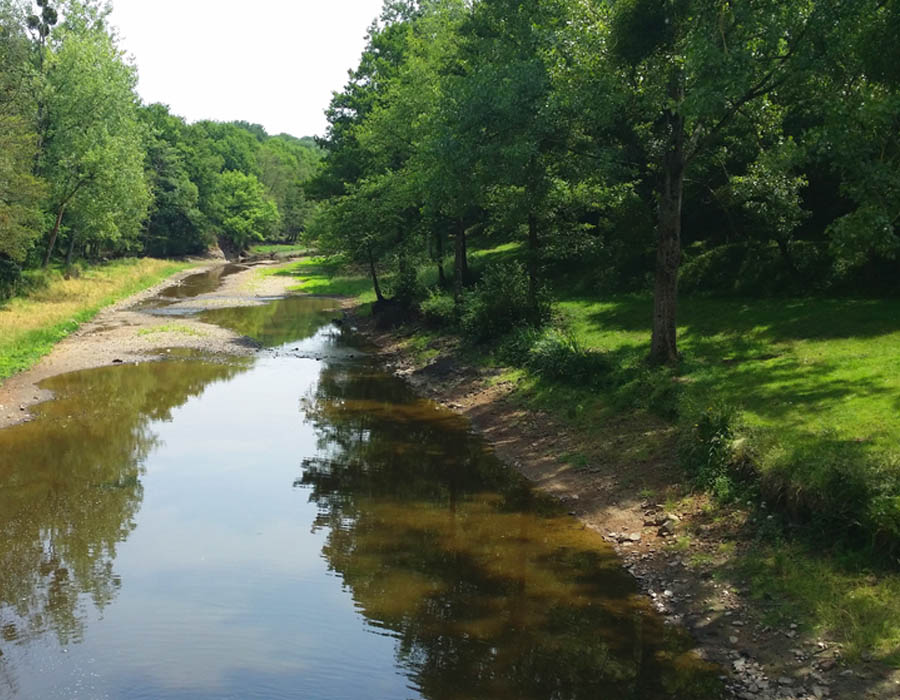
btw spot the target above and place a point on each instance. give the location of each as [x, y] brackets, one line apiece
[727, 147]
[88, 172]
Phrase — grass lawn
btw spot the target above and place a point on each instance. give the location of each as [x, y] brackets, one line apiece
[317, 275]
[30, 326]
[801, 367]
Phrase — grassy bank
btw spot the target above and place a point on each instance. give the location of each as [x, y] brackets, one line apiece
[808, 388]
[31, 325]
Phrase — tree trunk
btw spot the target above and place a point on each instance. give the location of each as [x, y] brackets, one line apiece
[439, 254]
[54, 233]
[70, 252]
[663, 346]
[378, 295]
[465, 253]
[533, 244]
[785, 251]
[460, 264]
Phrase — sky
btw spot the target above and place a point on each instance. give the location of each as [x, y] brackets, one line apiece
[269, 62]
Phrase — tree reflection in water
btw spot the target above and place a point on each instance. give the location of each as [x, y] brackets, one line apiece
[488, 588]
[71, 488]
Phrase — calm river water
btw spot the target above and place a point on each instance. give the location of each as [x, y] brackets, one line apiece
[299, 525]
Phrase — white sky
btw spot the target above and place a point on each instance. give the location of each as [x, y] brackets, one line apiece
[270, 62]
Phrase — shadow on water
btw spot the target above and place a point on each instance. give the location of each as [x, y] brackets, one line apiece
[166, 555]
[490, 590]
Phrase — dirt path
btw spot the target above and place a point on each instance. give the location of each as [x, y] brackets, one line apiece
[126, 332]
[628, 498]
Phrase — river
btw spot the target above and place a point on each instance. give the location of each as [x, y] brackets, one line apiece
[299, 525]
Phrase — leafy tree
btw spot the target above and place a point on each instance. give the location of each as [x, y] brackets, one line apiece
[242, 212]
[20, 191]
[93, 153]
[175, 225]
[695, 69]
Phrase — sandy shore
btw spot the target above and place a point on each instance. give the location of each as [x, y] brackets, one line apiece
[126, 332]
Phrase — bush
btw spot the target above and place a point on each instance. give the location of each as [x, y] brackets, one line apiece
[557, 355]
[499, 303]
[10, 274]
[405, 288]
[440, 309]
[711, 450]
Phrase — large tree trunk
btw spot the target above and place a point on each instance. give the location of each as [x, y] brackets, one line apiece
[533, 244]
[54, 233]
[378, 295]
[663, 346]
[460, 264]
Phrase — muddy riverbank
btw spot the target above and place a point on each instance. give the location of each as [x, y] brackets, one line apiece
[660, 541]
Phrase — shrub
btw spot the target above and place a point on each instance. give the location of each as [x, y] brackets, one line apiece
[440, 309]
[405, 287]
[557, 355]
[499, 303]
[10, 274]
[712, 451]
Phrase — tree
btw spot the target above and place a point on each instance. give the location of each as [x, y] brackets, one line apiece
[93, 152]
[694, 69]
[242, 212]
[20, 191]
[175, 225]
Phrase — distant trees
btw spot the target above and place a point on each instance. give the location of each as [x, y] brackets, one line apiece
[87, 171]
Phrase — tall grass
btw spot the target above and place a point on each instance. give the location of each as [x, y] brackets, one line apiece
[55, 307]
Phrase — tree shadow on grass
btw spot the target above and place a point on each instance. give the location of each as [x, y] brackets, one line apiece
[771, 320]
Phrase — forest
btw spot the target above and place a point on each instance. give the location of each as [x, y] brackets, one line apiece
[678, 208]
[89, 173]
[714, 147]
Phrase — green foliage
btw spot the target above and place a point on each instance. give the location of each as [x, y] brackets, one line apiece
[713, 448]
[10, 274]
[499, 303]
[242, 212]
[440, 309]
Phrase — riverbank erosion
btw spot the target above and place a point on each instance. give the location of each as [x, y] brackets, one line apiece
[149, 325]
[623, 481]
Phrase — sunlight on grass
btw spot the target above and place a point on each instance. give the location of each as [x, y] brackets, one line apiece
[802, 366]
[31, 326]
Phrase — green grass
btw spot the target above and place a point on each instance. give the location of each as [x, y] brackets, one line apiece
[282, 249]
[799, 367]
[319, 275]
[30, 326]
[825, 595]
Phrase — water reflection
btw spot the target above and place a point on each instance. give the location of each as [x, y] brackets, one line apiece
[489, 589]
[150, 552]
[71, 488]
[278, 322]
[192, 286]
